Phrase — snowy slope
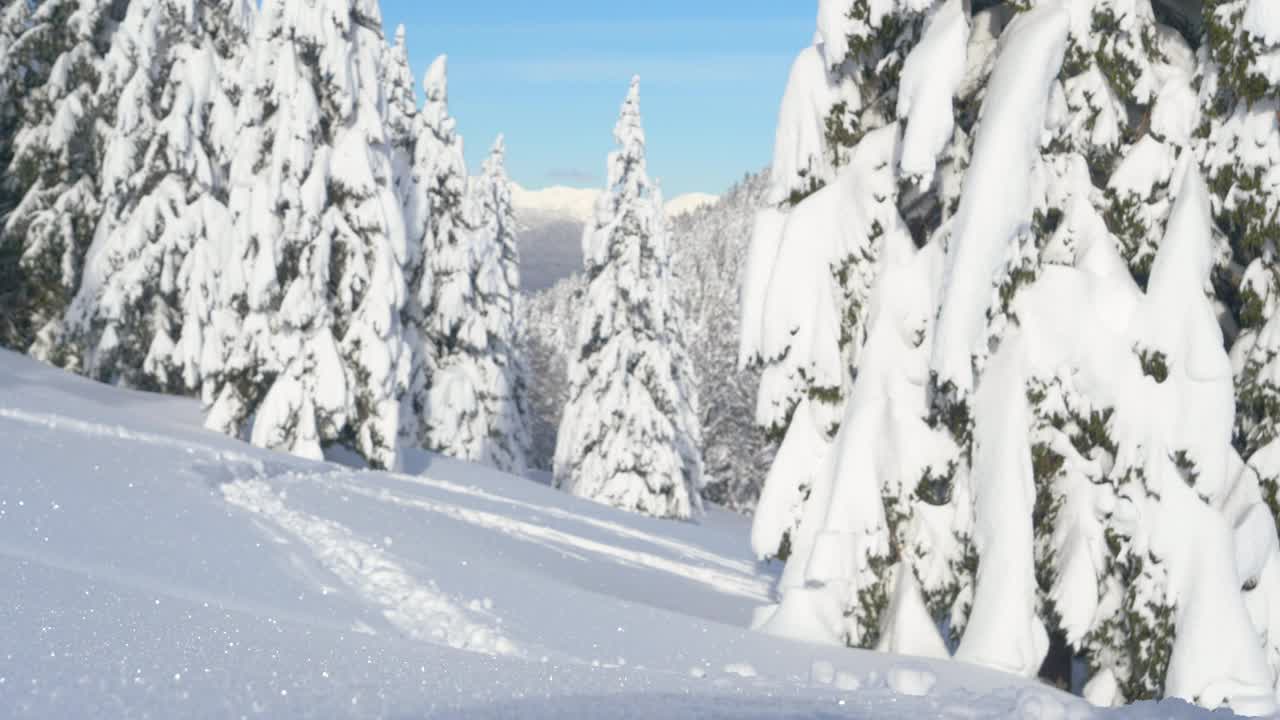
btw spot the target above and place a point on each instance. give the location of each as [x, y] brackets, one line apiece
[152, 569]
[551, 222]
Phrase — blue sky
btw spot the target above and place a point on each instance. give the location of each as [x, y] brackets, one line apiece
[551, 75]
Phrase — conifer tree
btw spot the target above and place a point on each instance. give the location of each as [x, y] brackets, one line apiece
[314, 287]
[811, 302]
[51, 179]
[15, 20]
[1121, 119]
[15, 80]
[1240, 148]
[505, 400]
[401, 115]
[164, 183]
[1023, 476]
[629, 436]
[451, 341]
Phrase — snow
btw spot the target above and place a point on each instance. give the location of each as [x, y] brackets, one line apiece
[823, 672]
[689, 202]
[799, 155]
[630, 434]
[910, 680]
[1262, 18]
[930, 78]
[993, 211]
[163, 570]
[578, 204]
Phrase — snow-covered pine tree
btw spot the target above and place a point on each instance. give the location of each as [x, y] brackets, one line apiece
[812, 295]
[15, 77]
[311, 347]
[842, 88]
[451, 343]
[629, 436]
[402, 113]
[1121, 116]
[708, 245]
[164, 185]
[1126, 82]
[1240, 148]
[505, 399]
[15, 20]
[1177, 481]
[1020, 312]
[51, 179]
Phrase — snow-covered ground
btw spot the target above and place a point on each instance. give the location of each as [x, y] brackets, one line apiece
[152, 569]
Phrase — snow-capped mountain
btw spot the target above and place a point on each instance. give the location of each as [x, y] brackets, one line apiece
[687, 203]
[561, 202]
[551, 221]
[558, 202]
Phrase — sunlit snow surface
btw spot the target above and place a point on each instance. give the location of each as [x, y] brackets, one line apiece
[151, 569]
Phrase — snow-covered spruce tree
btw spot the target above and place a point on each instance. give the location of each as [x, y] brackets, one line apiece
[629, 436]
[164, 185]
[51, 179]
[708, 246]
[1126, 82]
[505, 398]
[309, 337]
[845, 86]
[402, 113]
[1017, 341]
[1179, 481]
[1240, 151]
[1240, 143]
[1120, 119]
[15, 81]
[446, 412]
[15, 20]
[812, 293]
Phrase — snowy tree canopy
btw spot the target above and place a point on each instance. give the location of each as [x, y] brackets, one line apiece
[164, 185]
[505, 403]
[309, 335]
[708, 246]
[449, 380]
[629, 436]
[243, 202]
[999, 363]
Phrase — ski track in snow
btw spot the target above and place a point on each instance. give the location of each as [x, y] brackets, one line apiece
[687, 551]
[52, 421]
[418, 609]
[754, 588]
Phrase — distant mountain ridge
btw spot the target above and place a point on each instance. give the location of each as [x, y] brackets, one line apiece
[551, 222]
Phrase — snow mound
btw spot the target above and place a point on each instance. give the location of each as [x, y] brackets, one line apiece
[912, 681]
